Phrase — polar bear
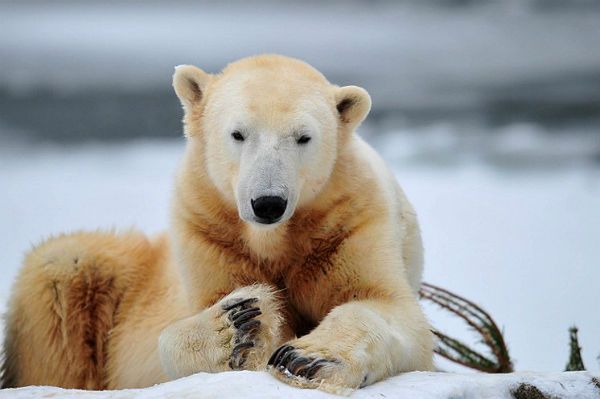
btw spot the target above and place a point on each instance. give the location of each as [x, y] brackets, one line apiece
[292, 249]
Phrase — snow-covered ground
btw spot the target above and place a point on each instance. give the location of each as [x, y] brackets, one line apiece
[417, 385]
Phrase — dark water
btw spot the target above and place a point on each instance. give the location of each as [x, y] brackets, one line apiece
[92, 115]
[113, 115]
[96, 71]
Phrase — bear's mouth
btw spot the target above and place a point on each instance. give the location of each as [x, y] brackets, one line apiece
[266, 221]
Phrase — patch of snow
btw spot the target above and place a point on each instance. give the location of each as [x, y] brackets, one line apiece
[260, 385]
[516, 146]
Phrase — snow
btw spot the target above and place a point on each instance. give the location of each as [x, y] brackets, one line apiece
[417, 385]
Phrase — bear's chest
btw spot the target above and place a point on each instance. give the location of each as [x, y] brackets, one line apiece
[304, 278]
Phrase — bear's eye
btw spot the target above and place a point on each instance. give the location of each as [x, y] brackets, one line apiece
[303, 139]
[237, 136]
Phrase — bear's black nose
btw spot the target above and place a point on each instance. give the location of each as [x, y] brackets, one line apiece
[268, 209]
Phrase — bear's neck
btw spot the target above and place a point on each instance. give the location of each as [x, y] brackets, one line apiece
[200, 209]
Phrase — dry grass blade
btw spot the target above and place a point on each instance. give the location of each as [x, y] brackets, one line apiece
[456, 351]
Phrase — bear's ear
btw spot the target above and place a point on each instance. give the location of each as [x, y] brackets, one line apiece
[189, 83]
[353, 103]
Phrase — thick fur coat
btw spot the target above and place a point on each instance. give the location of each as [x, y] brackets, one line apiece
[323, 296]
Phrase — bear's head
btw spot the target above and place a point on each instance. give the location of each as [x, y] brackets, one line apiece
[269, 130]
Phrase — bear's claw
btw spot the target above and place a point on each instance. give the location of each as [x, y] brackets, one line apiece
[250, 327]
[241, 314]
[238, 354]
[288, 361]
[241, 302]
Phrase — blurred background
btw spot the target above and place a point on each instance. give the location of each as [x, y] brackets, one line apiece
[487, 111]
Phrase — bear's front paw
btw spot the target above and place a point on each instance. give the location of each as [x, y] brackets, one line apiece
[250, 323]
[311, 367]
[239, 331]
[241, 314]
[290, 361]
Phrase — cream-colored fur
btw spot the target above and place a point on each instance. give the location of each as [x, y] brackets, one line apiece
[334, 280]
[205, 341]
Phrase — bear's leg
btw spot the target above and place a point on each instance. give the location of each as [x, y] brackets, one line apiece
[356, 344]
[63, 306]
[238, 332]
